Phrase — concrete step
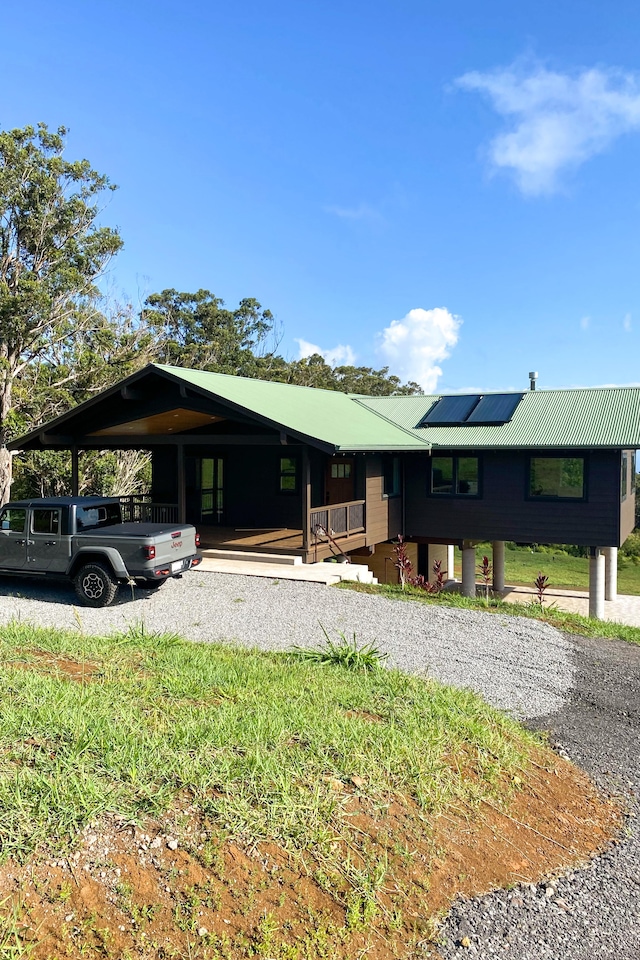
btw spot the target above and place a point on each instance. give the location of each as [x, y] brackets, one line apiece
[328, 573]
[252, 556]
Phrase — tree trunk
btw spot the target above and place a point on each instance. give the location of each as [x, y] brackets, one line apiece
[5, 474]
[6, 385]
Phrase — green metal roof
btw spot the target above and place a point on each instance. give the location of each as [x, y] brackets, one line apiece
[593, 417]
[605, 417]
[325, 415]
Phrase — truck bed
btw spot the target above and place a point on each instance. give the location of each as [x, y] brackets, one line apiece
[130, 529]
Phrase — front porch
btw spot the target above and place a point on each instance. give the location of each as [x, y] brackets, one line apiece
[328, 531]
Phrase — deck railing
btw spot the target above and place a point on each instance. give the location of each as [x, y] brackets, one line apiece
[139, 508]
[339, 520]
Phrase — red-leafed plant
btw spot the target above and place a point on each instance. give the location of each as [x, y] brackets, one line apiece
[407, 576]
[485, 575]
[402, 562]
[541, 583]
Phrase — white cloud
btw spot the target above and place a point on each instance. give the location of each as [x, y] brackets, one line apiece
[413, 347]
[626, 323]
[341, 355]
[584, 323]
[556, 121]
[363, 211]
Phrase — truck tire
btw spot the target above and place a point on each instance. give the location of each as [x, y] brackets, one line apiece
[95, 585]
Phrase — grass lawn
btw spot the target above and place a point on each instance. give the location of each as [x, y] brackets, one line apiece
[166, 798]
[522, 566]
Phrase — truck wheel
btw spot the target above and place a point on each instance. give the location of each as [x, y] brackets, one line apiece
[95, 586]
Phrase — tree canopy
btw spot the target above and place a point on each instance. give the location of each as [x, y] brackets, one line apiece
[52, 251]
[61, 341]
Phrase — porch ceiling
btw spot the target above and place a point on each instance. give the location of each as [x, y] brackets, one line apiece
[177, 420]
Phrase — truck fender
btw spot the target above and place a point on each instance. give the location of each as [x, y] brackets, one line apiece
[89, 554]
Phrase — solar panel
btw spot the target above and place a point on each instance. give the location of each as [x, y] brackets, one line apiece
[495, 408]
[450, 410]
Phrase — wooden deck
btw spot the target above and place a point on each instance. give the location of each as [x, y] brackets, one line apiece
[274, 540]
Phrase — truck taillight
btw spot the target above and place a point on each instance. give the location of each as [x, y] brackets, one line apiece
[197, 539]
[149, 552]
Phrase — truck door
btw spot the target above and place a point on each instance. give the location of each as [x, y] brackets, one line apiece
[13, 538]
[46, 548]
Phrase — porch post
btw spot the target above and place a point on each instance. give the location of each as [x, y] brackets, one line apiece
[182, 488]
[468, 568]
[596, 583]
[498, 565]
[75, 475]
[305, 490]
[611, 573]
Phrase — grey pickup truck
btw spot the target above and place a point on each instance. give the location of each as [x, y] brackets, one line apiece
[83, 539]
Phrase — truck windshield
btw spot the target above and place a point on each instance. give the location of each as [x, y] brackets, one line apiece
[104, 515]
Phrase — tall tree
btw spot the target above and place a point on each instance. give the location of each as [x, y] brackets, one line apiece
[51, 253]
[196, 330]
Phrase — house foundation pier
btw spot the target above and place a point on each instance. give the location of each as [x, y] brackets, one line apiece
[498, 566]
[468, 568]
[596, 583]
[611, 573]
[444, 553]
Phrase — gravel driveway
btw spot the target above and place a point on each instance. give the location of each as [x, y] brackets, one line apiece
[584, 692]
[519, 665]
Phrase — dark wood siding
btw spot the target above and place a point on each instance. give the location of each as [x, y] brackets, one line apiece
[251, 477]
[503, 511]
[383, 514]
[164, 475]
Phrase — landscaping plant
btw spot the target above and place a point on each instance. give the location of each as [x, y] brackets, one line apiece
[485, 576]
[407, 576]
[541, 583]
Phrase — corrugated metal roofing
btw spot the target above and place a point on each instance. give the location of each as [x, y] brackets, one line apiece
[325, 415]
[349, 423]
[593, 417]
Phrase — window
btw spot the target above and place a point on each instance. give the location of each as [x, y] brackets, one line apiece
[45, 521]
[624, 476]
[105, 515]
[340, 471]
[455, 476]
[288, 475]
[391, 482]
[13, 519]
[556, 478]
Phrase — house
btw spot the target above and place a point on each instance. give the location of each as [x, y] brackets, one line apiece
[266, 466]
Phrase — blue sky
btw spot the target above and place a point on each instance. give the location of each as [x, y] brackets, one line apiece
[447, 188]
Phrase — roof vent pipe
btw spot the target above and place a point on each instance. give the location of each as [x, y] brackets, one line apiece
[533, 376]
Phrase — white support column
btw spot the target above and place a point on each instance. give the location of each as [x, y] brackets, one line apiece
[498, 566]
[596, 584]
[451, 562]
[468, 569]
[611, 573]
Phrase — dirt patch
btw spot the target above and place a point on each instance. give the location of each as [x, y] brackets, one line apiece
[182, 887]
[364, 715]
[46, 662]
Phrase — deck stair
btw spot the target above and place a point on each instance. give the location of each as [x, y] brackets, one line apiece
[280, 567]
